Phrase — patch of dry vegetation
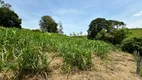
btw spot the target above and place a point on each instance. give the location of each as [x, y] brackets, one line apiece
[117, 66]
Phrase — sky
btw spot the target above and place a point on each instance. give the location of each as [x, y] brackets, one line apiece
[76, 15]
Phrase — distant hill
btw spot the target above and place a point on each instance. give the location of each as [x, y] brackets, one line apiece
[134, 32]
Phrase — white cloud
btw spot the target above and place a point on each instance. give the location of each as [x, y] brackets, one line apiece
[138, 14]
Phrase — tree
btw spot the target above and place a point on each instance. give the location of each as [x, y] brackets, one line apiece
[80, 33]
[60, 30]
[95, 27]
[47, 24]
[102, 24]
[4, 5]
[9, 18]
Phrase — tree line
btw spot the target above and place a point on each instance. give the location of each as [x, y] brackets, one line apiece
[99, 29]
[8, 19]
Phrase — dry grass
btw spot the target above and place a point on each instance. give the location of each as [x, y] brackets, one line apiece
[117, 66]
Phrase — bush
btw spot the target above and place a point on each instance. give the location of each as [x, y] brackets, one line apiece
[115, 36]
[131, 45]
[36, 30]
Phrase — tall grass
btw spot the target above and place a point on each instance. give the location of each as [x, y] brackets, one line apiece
[24, 50]
[136, 32]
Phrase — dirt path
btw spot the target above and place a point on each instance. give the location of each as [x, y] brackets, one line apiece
[118, 66]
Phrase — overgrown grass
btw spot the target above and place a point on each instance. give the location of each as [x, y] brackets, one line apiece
[136, 32]
[25, 51]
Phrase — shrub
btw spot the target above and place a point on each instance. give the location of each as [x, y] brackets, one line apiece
[115, 36]
[36, 30]
[131, 45]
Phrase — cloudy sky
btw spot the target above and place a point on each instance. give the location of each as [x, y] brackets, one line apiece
[76, 15]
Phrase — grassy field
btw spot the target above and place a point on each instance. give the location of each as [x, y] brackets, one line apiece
[135, 33]
[23, 51]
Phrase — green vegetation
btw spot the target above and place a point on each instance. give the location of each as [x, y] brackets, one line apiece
[107, 30]
[99, 24]
[136, 32]
[47, 24]
[8, 18]
[134, 45]
[131, 45]
[4, 5]
[24, 50]
[115, 36]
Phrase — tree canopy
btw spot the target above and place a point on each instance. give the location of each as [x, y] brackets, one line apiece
[47, 24]
[4, 5]
[99, 24]
[8, 18]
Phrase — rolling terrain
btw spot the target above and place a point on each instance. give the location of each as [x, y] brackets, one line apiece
[29, 55]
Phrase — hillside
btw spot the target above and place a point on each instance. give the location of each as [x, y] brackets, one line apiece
[118, 66]
[134, 33]
[32, 55]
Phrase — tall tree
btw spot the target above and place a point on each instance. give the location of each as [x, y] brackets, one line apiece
[60, 30]
[102, 24]
[8, 18]
[4, 5]
[96, 26]
[47, 24]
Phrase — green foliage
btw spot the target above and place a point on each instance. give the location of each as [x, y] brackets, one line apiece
[134, 45]
[21, 54]
[95, 27]
[101, 35]
[115, 36]
[119, 35]
[26, 51]
[36, 30]
[4, 5]
[47, 24]
[131, 45]
[102, 24]
[136, 32]
[9, 18]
